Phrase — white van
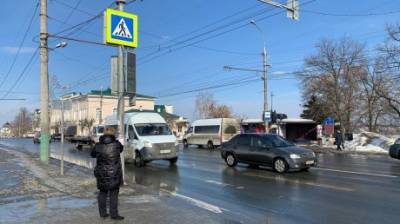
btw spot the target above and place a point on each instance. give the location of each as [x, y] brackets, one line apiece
[148, 138]
[211, 132]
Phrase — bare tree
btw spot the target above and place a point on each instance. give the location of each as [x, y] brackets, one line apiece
[388, 65]
[22, 122]
[332, 75]
[207, 107]
[86, 124]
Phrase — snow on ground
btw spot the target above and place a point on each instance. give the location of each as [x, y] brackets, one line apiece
[369, 142]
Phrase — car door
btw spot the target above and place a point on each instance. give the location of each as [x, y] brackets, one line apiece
[262, 150]
[242, 148]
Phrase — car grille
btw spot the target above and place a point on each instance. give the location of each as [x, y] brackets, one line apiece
[161, 146]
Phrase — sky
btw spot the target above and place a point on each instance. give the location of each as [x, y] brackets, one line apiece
[183, 48]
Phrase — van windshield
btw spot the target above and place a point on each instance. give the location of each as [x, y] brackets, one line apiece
[149, 129]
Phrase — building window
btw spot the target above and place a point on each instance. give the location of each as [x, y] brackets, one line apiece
[98, 112]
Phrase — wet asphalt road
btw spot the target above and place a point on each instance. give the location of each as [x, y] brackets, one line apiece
[343, 188]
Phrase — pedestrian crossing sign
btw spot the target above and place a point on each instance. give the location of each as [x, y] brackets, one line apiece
[121, 28]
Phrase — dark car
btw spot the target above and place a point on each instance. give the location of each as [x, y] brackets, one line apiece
[394, 150]
[267, 150]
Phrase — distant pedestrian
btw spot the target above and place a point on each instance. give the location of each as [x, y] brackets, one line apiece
[339, 140]
[108, 172]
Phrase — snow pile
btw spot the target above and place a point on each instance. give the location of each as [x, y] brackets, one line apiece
[369, 142]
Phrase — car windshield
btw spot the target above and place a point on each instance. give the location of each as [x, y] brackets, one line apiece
[277, 141]
[148, 129]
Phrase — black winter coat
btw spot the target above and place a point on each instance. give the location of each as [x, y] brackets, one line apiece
[108, 170]
[339, 138]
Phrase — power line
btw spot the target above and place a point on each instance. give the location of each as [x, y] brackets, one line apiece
[20, 45]
[167, 51]
[351, 15]
[21, 74]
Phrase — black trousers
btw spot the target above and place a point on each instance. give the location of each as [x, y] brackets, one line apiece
[102, 200]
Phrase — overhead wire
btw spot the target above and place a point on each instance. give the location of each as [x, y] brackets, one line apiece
[20, 45]
[209, 37]
[20, 76]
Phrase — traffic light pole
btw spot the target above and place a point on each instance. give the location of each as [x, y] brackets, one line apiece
[44, 85]
[121, 94]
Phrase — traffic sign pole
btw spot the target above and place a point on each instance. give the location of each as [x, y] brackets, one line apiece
[121, 95]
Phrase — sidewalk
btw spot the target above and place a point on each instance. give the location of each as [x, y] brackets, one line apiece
[31, 192]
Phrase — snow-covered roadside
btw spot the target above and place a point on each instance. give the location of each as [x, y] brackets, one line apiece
[369, 142]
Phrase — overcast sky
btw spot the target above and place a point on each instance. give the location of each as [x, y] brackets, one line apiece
[183, 46]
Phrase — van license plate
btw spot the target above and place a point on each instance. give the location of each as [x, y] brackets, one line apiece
[310, 162]
[165, 151]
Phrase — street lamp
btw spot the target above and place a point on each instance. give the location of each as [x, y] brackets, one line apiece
[62, 44]
[265, 76]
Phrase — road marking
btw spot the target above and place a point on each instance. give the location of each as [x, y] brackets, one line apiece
[309, 183]
[358, 173]
[223, 184]
[197, 203]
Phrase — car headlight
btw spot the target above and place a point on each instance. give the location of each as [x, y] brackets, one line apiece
[148, 144]
[294, 156]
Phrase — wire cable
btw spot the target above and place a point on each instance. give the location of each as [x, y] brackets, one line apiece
[20, 45]
[20, 76]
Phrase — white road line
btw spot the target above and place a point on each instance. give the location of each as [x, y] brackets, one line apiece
[358, 173]
[197, 203]
[309, 183]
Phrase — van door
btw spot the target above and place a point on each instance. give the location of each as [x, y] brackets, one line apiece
[132, 143]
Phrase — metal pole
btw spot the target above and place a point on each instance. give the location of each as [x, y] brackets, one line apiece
[44, 85]
[62, 138]
[121, 94]
[101, 106]
[272, 98]
[265, 77]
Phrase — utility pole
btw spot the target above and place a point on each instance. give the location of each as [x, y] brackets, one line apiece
[44, 85]
[265, 78]
[62, 138]
[272, 98]
[101, 106]
[121, 94]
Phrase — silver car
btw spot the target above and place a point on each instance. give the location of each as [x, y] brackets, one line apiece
[267, 150]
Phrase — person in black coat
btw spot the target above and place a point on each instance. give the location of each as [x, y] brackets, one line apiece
[108, 172]
[339, 140]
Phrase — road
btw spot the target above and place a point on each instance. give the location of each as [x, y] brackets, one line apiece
[344, 188]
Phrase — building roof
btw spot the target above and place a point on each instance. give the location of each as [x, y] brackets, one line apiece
[297, 121]
[252, 121]
[107, 92]
[165, 115]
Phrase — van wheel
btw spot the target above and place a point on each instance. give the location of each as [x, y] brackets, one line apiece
[139, 162]
[185, 144]
[173, 161]
[230, 160]
[280, 165]
[210, 145]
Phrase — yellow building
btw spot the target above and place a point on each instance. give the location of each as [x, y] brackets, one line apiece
[82, 112]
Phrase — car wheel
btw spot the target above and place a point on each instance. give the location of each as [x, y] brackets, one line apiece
[173, 161]
[306, 169]
[185, 144]
[139, 162]
[210, 145]
[230, 160]
[280, 165]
